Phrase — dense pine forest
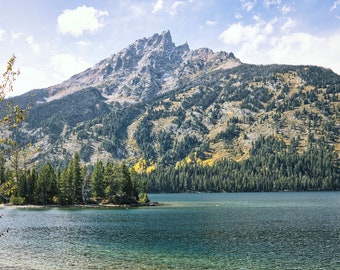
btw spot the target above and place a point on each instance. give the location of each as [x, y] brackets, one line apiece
[272, 166]
[75, 184]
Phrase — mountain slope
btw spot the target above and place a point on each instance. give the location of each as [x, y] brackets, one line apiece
[156, 103]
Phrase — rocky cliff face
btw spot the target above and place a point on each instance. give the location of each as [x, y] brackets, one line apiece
[143, 70]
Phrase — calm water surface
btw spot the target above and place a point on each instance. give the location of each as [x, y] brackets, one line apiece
[192, 231]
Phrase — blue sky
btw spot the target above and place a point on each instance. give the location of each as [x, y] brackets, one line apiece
[55, 39]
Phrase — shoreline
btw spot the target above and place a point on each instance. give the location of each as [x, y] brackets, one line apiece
[80, 206]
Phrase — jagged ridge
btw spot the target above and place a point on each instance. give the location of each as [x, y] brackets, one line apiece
[144, 69]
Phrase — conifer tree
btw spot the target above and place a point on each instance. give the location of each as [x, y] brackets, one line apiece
[97, 180]
[86, 188]
[111, 180]
[127, 186]
[65, 187]
[77, 180]
[46, 186]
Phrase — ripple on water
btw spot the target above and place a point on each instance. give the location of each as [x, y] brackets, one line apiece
[199, 231]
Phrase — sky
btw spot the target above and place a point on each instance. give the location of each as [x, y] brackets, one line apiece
[55, 39]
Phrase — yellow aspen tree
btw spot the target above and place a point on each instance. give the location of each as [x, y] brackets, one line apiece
[10, 116]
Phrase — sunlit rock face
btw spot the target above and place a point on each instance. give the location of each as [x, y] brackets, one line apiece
[146, 68]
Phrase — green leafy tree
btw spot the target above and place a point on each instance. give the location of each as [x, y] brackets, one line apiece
[10, 116]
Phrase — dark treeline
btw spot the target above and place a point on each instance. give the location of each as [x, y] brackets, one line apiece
[75, 184]
[272, 166]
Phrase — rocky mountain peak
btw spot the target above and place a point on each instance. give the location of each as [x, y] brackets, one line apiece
[157, 42]
[143, 69]
[146, 51]
[162, 41]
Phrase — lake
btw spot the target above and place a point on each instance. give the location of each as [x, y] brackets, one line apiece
[192, 231]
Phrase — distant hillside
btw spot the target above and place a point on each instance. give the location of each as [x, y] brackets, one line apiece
[158, 104]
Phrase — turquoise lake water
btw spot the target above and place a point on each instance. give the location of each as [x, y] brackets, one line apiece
[192, 231]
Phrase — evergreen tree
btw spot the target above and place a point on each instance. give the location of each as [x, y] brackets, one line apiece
[66, 185]
[46, 186]
[97, 180]
[125, 178]
[77, 180]
[143, 196]
[111, 181]
[136, 185]
[86, 188]
[2, 169]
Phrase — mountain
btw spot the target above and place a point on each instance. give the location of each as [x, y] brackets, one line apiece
[145, 69]
[155, 103]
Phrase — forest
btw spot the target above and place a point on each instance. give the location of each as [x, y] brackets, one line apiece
[272, 166]
[74, 184]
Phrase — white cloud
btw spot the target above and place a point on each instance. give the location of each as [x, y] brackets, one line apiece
[248, 5]
[16, 35]
[290, 45]
[83, 42]
[236, 33]
[268, 3]
[269, 27]
[59, 68]
[256, 18]
[80, 20]
[304, 48]
[335, 5]
[334, 9]
[35, 46]
[276, 42]
[175, 7]
[288, 25]
[159, 5]
[67, 65]
[285, 9]
[136, 11]
[238, 15]
[210, 23]
[172, 9]
[255, 33]
[2, 34]
[30, 78]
